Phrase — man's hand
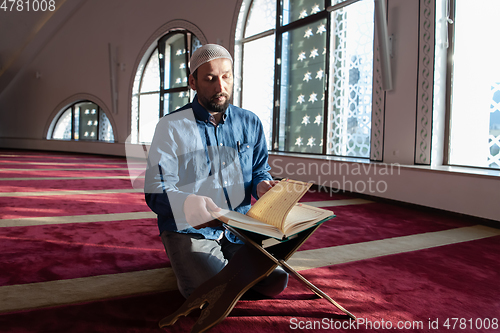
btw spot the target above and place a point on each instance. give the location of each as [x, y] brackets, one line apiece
[197, 211]
[265, 186]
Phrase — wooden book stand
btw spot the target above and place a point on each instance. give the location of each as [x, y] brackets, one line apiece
[218, 296]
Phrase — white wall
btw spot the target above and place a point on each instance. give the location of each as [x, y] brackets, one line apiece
[73, 63]
[453, 189]
[401, 101]
[75, 60]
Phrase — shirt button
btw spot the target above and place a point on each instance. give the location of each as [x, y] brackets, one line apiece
[225, 183]
[221, 144]
[223, 163]
[248, 146]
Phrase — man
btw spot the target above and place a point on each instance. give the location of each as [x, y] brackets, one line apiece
[205, 156]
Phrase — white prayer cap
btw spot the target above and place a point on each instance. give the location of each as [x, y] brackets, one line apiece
[206, 53]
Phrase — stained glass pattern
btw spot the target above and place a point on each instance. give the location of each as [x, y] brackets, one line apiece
[294, 10]
[88, 115]
[262, 17]
[105, 129]
[494, 137]
[161, 81]
[62, 129]
[351, 81]
[195, 43]
[302, 90]
[175, 68]
[85, 121]
[173, 101]
[300, 108]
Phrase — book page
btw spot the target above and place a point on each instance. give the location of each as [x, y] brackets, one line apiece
[245, 222]
[227, 216]
[274, 206]
[304, 214]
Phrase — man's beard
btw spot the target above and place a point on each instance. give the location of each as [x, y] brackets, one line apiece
[213, 106]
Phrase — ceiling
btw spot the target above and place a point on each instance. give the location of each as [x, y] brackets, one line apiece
[24, 33]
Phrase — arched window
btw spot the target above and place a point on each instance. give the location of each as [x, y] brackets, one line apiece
[83, 120]
[161, 84]
[313, 86]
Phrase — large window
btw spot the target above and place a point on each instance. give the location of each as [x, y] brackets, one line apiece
[474, 124]
[161, 84]
[83, 120]
[307, 72]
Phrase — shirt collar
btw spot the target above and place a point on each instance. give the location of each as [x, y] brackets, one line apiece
[203, 115]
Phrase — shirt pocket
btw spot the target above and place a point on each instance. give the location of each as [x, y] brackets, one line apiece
[245, 155]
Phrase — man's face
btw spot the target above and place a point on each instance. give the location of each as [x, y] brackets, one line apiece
[214, 85]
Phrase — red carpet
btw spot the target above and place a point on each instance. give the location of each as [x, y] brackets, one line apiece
[374, 221]
[38, 173]
[458, 280]
[51, 164]
[61, 205]
[405, 289]
[54, 252]
[66, 184]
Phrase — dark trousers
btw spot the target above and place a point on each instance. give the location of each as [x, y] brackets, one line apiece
[195, 259]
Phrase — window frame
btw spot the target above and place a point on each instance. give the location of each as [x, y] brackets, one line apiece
[449, 82]
[376, 134]
[144, 57]
[71, 108]
[448, 86]
[280, 31]
[188, 42]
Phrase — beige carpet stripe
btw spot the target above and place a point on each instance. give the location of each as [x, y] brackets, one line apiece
[303, 260]
[48, 156]
[33, 221]
[53, 293]
[65, 178]
[59, 163]
[45, 294]
[69, 169]
[68, 192]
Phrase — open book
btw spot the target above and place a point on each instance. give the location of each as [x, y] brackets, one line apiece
[277, 213]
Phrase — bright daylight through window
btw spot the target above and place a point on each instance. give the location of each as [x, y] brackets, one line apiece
[475, 109]
[161, 82]
[310, 48]
[82, 121]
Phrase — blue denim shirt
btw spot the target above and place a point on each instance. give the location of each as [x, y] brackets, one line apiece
[189, 154]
